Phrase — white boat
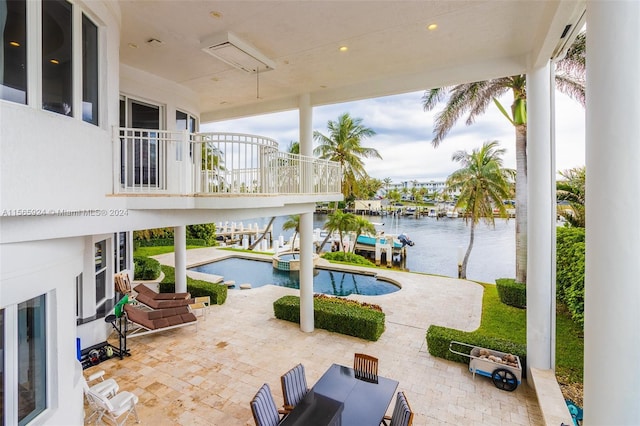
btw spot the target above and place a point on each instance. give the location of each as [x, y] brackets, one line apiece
[452, 213]
[410, 211]
[432, 213]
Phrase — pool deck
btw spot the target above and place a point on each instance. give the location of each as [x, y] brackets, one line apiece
[208, 376]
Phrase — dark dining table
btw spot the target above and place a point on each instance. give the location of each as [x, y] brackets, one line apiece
[341, 398]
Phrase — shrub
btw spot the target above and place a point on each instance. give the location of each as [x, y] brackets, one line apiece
[339, 256]
[335, 314]
[205, 232]
[161, 242]
[197, 288]
[439, 338]
[570, 254]
[511, 292]
[146, 268]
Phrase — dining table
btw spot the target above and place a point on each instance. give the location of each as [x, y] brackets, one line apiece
[343, 398]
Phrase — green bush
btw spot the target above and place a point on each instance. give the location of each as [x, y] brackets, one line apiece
[334, 314]
[570, 254]
[197, 288]
[511, 292]
[339, 256]
[205, 232]
[439, 338]
[161, 242]
[146, 268]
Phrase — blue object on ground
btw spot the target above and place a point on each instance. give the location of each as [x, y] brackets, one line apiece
[575, 411]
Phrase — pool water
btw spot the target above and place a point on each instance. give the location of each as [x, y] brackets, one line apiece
[258, 273]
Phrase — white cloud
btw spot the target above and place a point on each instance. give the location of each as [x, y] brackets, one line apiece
[404, 133]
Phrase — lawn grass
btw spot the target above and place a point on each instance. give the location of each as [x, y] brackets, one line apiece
[500, 320]
[154, 251]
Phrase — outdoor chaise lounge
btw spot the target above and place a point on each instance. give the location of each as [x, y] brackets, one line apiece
[162, 319]
[154, 300]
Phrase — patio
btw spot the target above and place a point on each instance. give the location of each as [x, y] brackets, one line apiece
[208, 377]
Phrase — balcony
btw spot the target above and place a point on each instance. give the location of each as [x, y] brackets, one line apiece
[159, 162]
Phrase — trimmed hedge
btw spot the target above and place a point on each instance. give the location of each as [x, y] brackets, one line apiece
[161, 242]
[439, 338]
[339, 256]
[342, 316]
[197, 288]
[570, 254]
[146, 268]
[511, 292]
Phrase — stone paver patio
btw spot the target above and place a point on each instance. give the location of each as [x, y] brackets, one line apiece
[208, 376]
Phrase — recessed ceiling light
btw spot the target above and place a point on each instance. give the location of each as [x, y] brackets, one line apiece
[132, 46]
[432, 27]
[54, 61]
[14, 44]
[343, 48]
[215, 14]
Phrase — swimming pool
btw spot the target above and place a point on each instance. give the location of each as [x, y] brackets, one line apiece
[258, 273]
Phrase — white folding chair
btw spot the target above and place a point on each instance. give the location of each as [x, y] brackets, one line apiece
[108, 388]
[124, 403]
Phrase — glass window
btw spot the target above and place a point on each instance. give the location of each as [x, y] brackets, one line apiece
[181, 120]
[101, 271]
[120, 251]
[89, 71]
[57, 64]
[32, 361]
[13, 51]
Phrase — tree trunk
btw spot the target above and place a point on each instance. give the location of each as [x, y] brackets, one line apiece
[521, 203]
[472, 234]
[256, 242]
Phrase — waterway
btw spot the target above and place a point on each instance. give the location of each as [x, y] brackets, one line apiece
[439, 243]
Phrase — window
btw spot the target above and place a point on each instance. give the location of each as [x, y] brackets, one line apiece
[89, 71]
[101, 271]
[31, 359]
[57, 64]
[120, 251]
[13, 51]
[2, 367]
[79, 296]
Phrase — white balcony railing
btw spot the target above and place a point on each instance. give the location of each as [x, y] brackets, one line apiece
[164, 162]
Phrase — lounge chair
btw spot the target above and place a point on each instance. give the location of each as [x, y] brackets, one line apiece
[294, 387]
[147, 322]
[154, 300]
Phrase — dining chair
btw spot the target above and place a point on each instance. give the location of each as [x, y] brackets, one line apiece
[294, 387]
[263, 408]
[402, 414]
[365, 367]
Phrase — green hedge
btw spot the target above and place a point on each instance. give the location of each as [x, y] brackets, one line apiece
[570, 253]
[511, 292]
[339, 256]
[161, 242]
[197, 288]
[342, 316]
[146, 268]
[439, 338]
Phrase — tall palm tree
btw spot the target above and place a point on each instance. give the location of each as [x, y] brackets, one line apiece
[338, 221]
[292, 222]
[344, 145]
[476, 97]
[572, 189]
[360, 226]
[483, 184]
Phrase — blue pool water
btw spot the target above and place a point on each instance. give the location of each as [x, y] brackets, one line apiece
[259, 273]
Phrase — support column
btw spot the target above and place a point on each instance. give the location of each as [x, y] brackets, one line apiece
[180, 248]
[541, 293]
[612, 293]
[306, 219]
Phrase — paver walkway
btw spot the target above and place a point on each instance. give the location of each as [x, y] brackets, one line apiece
[208, 377]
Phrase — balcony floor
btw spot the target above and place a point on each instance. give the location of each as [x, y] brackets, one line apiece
[208, 377]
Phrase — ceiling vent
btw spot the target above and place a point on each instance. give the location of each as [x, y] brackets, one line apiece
[236, 52]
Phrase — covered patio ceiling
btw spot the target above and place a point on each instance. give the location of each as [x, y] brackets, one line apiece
[390, 48]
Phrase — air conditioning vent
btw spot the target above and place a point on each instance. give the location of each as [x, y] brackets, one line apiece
[236, 52]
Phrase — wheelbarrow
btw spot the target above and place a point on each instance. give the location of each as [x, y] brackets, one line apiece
[503, 369]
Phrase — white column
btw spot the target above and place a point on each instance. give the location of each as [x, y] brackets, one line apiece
[180, 248]
[612, 293]
[306, 222]
[541, 294]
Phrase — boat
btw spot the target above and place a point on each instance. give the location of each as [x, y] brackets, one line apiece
[453, 213]
[410, 211]
[432, 213]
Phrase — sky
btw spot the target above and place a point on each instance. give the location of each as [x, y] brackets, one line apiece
[404, 132]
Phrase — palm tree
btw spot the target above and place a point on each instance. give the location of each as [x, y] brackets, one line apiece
[344, 145]
[572, 189]
[293, 148]
[292, 222]
[476, 97]
[483, 183]
[360, 226]
[337, 221]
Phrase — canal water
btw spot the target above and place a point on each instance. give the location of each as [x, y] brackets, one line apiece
[439, 242]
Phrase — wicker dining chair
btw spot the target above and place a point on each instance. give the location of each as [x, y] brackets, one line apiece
[365, 367]
[402, 414]
[294, 387]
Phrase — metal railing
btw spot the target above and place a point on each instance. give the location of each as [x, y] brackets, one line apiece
[164, 162]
